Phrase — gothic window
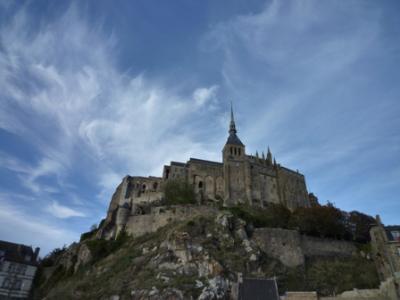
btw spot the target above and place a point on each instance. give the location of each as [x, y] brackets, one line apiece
[230, 148]
[200, 184]
[239, 151]
[235, 150]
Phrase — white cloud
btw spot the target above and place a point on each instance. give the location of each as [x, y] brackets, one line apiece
[63, 212]
[88, 108]
[204, 95]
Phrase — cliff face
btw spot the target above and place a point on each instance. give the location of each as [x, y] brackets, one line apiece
[197, 258]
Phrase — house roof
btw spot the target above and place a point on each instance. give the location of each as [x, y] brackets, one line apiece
[18, 253]
[258, 289]
[389, 230]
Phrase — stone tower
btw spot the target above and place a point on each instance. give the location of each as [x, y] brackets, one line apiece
[234, 167]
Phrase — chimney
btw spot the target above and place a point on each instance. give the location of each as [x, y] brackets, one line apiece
[36, 254]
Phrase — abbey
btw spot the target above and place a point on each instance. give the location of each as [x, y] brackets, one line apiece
[238, 179]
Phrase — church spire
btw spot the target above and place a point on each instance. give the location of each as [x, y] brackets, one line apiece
[232, 126]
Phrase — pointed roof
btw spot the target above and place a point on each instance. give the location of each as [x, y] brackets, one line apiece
[233, 138]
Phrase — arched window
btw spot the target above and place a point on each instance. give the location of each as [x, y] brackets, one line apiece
[200, 184]
[235, 150]
[143, 187]
[239, 151]
[230, 148]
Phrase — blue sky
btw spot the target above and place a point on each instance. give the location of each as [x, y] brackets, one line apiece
[92, 91]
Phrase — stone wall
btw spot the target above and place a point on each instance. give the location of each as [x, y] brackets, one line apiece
[138, 225]
[293, 189]
[386, 291]
[300, 296]
[313, 246]
[291, 248]
[281, 244]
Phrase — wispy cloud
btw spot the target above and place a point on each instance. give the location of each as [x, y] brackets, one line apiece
[18, 226]
[63, 212]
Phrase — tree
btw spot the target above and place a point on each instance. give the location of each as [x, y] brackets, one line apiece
[322, 221]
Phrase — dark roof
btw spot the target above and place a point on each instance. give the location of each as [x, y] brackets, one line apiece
[176, 163]
[389, 230]
[202, 161]
[234, 140]
[292, 171]
[18, 253]
[258, 289]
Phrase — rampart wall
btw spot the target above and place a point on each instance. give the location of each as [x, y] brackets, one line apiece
[291, 248]
[160, 216]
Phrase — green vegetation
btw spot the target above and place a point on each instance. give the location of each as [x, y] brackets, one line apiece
[322, 221]
[275, 215]
[88, 235]
[178, 192]
[50, 259]
[333, 276]
[101, 248]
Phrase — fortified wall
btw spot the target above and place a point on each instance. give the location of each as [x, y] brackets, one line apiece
[291, 248]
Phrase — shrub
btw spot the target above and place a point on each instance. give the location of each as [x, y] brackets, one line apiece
[321, 221]
[178, 192]
[88, 235]
[359, 225]
[275, 215]
[101, 248]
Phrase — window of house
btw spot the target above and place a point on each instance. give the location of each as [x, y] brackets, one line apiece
[6, 283]
[396, 235]
[21, 269]
[17, 284]
[12, 267]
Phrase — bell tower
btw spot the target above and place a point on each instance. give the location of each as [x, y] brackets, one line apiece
[234, 148]
[234, 157]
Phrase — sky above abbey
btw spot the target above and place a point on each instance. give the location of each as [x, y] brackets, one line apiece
[93, 90]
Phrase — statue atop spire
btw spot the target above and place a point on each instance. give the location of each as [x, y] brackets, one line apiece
[232, 126]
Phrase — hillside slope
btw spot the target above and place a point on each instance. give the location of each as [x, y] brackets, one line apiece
[195, 259]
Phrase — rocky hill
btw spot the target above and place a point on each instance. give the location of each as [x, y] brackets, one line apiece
[200, 258]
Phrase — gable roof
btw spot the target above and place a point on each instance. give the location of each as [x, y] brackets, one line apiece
[258, 289]
[18, 253]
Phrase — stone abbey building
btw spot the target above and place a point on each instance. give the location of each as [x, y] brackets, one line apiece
[238, 179]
